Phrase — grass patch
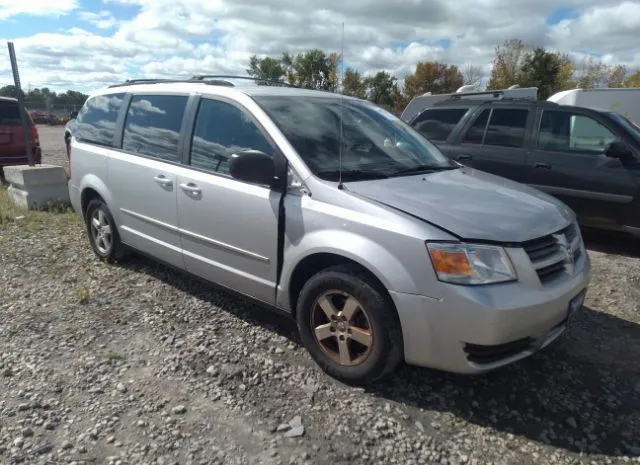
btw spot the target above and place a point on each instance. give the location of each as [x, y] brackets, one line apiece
[83, 295]
[8, 210]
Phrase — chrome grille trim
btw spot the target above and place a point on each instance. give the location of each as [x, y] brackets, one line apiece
[554, 256]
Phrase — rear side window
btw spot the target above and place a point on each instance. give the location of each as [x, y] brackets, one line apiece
[221, 130]
[437, 124]
[475, 134]
[153, 125]
[9, 113]
[96, 122]
[507, 127]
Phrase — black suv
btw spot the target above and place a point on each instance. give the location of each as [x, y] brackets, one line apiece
[587, 158]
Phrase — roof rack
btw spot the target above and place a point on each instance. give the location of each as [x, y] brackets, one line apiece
[261, 81]
[210, 79]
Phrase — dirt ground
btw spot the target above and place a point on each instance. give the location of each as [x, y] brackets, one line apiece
[138, 364]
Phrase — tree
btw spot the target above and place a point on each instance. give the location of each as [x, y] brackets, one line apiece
[8, 91]
[564, 80]
[472, 75]
[353, 84]
[541, 69]
[432, 76]
[382, 89]
[313, 70]
[616, 76]
[266, 68]
[633, 80]
[507, 64]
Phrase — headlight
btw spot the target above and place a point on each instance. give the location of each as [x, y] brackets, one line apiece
[470, 264]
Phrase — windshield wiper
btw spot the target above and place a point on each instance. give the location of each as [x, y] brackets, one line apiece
[423, 169]
[353, 175]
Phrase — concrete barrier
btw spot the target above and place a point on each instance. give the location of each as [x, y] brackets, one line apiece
[37, 187]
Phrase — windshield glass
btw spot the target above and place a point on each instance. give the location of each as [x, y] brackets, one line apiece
[375, 143]
[630, 126]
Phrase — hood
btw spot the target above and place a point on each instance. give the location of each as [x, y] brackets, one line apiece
[471, 204]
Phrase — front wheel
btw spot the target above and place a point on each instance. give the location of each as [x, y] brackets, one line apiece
[348, 326]
[103, 234]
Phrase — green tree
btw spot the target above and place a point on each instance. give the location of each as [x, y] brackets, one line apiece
[633, 80]
[353, 84]
[8, 91]
[315, 70]
[266, 68]
[541, 69]
[382, 89]
[432, 76]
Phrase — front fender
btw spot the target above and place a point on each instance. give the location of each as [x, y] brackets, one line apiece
[373, 256]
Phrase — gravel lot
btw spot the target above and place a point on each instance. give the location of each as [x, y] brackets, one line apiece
[138, 364]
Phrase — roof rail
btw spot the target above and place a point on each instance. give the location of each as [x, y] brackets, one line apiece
[133, 82]
[207, 77]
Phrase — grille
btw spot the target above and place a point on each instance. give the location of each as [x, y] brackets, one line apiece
[554, 256]
[483, 355]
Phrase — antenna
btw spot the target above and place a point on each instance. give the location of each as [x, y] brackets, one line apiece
[340, 185]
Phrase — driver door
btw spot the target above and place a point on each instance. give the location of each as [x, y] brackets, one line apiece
[568, 161]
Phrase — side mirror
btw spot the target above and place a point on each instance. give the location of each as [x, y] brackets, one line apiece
[618, 149]
[252, 166]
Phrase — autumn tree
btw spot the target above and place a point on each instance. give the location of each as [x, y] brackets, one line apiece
[544, 70]
[315, 70]
[434, 77]
[353, 84]
[266, 68]
[507, 64]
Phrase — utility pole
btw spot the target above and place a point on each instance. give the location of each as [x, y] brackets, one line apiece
[23, 112]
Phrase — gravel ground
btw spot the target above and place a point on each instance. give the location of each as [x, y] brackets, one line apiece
[138, 364]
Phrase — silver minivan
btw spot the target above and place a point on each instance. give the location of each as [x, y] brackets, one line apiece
[333, 210]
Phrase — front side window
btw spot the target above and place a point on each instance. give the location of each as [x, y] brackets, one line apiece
[437, 124]
[153, 125]
[570, 132]
[221, 130]
[96, 122]
[372, 142]
[475, 134]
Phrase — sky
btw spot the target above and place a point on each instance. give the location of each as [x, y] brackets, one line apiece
[87, 44]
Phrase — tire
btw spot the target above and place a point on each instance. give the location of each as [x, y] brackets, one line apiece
[374, 320]
[107, 246]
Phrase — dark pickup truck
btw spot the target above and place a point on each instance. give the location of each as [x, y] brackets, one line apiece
[590, 159]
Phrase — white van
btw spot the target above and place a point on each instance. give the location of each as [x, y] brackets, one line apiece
[623, 101]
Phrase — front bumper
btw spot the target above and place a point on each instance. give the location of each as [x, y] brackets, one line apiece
[477, 329]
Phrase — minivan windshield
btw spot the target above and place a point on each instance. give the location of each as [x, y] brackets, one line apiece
[375, 143]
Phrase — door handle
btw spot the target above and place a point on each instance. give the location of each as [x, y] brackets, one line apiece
[191, 188]
[546, 166]
[464, 157]
[163, 180]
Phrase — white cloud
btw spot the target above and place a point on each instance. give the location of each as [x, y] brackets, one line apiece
[9, 8]
[183, 37]
[102, 20]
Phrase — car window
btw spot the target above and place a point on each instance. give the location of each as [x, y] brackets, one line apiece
[437, 124]
[570, 132]
[9, 113]
[153, 125]
[506, 127]
[96, 122]
[221, 130]
[475, 134]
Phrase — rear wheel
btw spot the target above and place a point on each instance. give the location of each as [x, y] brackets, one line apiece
[348, 326]
[103, 234]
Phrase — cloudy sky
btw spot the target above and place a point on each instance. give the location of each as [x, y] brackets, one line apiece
[85, 44]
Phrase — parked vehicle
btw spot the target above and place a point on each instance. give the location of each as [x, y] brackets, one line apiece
[623, 101]
[332, 210]
[12, 145]
[586, 158]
